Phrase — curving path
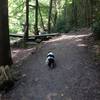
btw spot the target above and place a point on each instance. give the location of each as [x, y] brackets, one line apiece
[74, 78]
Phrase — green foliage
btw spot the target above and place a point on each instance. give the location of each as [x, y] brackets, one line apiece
[96, 29]
[96, 19]
[16, 15]
[17, 12]
[62, 26]
[65, 19]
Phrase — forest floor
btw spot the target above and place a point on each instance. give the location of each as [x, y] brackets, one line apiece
[75, 77]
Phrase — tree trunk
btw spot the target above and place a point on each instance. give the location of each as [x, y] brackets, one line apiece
[56, 13]
[55, 19]
[26, 28]
[49, 17]
[91, 3]
[36, 18]
[74, 10]
[41, 18]
[5, 52]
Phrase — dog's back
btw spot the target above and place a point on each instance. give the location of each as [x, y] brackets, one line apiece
[51, 60]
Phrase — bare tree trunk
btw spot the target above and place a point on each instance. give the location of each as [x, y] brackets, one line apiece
[55, 18]
[74, 7]
[26, 29]
[36, 18]
[91, 3]
[49, 16]
[41, 18]
[5, 52]
[56, 13]
[89, 13]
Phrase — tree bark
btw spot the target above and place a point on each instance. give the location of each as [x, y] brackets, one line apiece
[91, 3]
[36, 18]
[49, 16]
[41, 18]
[56, 13]
[5, 52]
[26, 27]
[74, 8]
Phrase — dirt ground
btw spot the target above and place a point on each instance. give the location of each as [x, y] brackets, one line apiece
[74, 78]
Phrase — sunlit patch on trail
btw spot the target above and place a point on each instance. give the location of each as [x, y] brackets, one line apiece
[68, 37]
[21, 53]
[78, 40]
[16, 51]
[82, 45]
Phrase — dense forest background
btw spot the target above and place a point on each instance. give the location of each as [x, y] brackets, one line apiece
[64, 16]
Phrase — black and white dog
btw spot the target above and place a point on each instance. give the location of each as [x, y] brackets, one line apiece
[50, 60]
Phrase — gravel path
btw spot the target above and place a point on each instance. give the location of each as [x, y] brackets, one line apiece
[74, 78]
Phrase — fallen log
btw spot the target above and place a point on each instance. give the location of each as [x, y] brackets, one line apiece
[15, 35]
[35, 36]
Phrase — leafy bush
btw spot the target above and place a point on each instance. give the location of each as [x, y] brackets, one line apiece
[96, 29]
[62, 26]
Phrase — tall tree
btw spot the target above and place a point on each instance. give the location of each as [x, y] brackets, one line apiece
[41, 17]
[56, 13]
[26, 27]
[5, 52]
[49, 16]
[36, 17]
[91, 3]
[74, 11]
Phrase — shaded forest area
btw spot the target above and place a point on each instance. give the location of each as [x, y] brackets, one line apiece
[37, 20]
[57, 15]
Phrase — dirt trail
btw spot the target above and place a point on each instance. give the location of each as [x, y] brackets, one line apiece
[74, 78]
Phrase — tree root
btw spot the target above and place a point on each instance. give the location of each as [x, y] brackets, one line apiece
[7, 81]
